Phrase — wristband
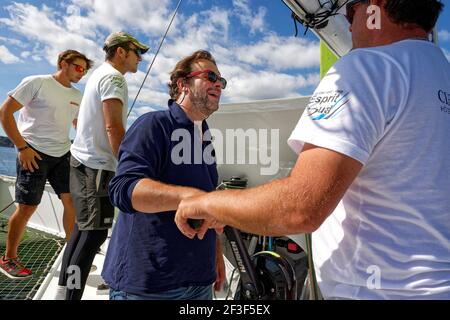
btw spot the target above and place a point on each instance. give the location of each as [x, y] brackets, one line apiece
[22, 148]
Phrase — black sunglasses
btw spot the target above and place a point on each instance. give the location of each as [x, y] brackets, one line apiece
[137, 51]
[350, 8]
[211, 76]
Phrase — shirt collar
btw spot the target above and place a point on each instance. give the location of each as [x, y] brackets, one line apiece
[178, 114]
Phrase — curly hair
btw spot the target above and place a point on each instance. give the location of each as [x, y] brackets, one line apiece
[423, 13]
[70, 56]
[184, 67]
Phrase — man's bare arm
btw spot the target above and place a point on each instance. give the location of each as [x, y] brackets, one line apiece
[26, 156]
[9, 107]
[112, 112]
[296, 204]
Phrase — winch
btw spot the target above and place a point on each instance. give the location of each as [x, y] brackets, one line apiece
[265, 274]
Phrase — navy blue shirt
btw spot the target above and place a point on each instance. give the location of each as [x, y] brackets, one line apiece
[147, 253]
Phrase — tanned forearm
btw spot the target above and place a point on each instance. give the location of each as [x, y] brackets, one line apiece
[152, 196]
[115, 136]
[255, 209]
[112, 113]
[296, 204]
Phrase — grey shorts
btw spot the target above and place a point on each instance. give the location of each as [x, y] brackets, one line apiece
[89, 189]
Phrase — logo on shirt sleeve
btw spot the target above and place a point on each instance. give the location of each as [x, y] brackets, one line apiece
[444, 97]
[118, 81]
[327, 105]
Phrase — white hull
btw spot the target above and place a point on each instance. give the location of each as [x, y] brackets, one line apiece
[48, 216]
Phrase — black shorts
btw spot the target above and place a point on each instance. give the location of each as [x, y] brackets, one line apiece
[30, 185]
[89, 189]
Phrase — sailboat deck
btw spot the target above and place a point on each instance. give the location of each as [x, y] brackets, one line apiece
[38, 251]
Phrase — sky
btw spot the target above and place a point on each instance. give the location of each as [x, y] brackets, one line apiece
[252, 41]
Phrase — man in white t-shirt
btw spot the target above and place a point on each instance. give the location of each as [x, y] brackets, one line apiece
[100, 130]
[372, 176]
[48, 107]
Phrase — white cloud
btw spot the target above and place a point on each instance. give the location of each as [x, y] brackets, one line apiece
[14, 42]
[447, 54]
[7, 57]
[444, 35]
[82, 25]
[254, 71]
[25, 54]
[267, 85]
[41, 26]
[150, 17]
[200, 31]
[196, 2]
[281, 53]
[254, 21]
[137, 112]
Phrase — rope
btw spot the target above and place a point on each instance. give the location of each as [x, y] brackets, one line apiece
[9, 205]
[156, 54]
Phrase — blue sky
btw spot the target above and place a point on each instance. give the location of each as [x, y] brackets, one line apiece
[252, 41]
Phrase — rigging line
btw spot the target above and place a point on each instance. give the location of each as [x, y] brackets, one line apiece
[156, 54]
[9, 205]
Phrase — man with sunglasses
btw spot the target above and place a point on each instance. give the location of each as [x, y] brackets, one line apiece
[372, 176]
[48, 107]
[100, 129]
[167, 156]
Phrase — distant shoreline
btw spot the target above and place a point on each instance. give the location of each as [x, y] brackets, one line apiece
[5, 142]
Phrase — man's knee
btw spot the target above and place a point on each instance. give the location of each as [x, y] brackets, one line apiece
[26, 209]
[66, 200]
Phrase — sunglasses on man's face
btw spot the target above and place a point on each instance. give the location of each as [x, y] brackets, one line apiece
[79, 69]
[136, 51]
[350, 8]
[210, 76]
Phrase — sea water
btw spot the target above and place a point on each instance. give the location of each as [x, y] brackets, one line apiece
[8, 161]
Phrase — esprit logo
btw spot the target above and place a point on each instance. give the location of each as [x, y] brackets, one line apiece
[327, 105]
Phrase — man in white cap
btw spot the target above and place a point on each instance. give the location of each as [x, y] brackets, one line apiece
[101, 127]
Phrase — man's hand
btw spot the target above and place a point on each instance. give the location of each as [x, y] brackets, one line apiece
[27, 159]
[193, 208]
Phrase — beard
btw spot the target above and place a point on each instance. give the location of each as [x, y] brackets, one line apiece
[202, 103]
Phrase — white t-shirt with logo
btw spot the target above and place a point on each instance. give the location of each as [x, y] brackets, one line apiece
[91, 145]
[389, 108]
[47, 114]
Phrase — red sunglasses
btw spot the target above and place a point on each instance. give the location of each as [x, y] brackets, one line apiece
[211, 76]
[79, 69]
[350, 8]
